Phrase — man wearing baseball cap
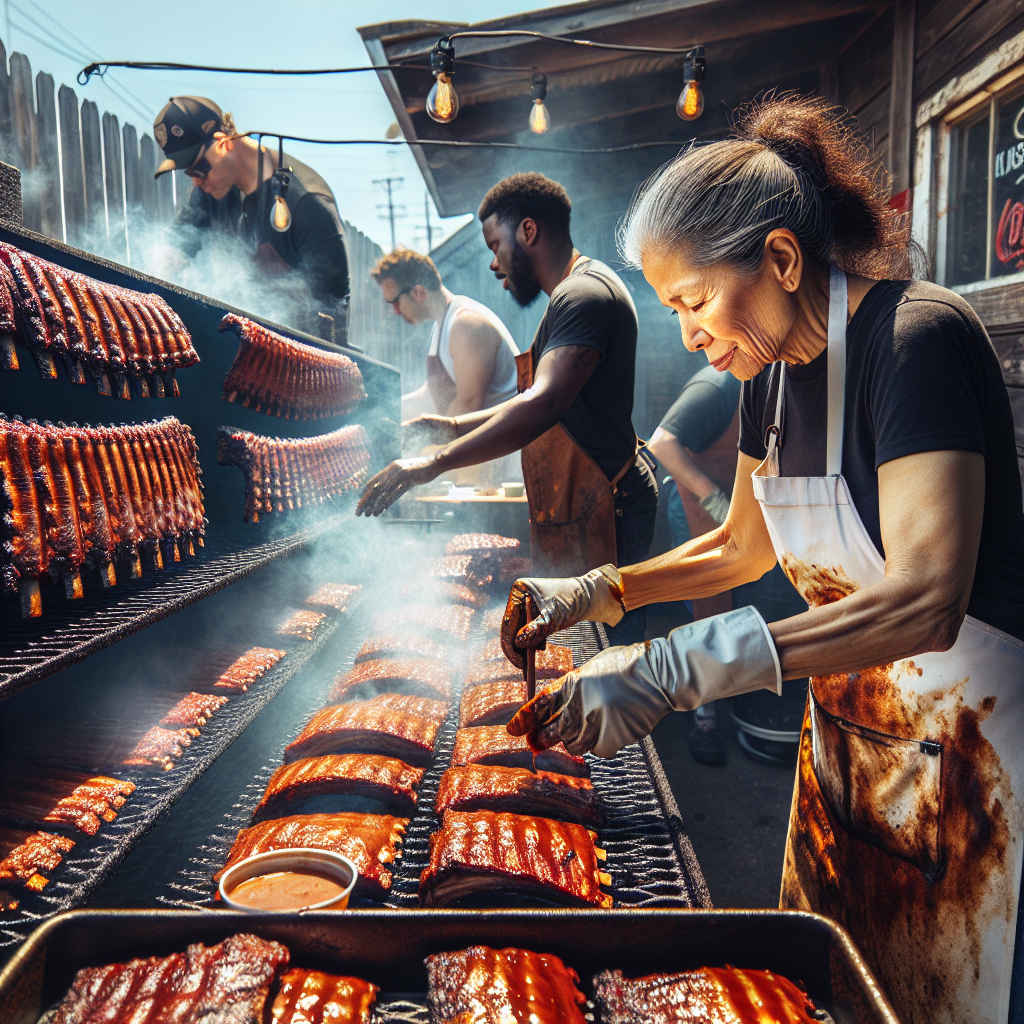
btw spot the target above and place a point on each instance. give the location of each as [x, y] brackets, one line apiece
[234, 187]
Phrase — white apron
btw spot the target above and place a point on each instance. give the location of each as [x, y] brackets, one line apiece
[906, 825]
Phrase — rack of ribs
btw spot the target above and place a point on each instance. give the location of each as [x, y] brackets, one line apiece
[193, 710]
[125, 340]
[492, 620]
[370, 841]
[453, 621]
[159, 748]
[303, 624]
[494, 853]
[336, 596]
[492, 745]
[403, 645]
[41, 795]
[472, 543]
[481, 985]
[243, 672]
[519, 791]
[445, 592]
[84, 498]
[495, 703]
[312, 997]
[222, 984]
[387, 779]
[490, 673]
[391, 724]
[418, 677]
[284, 377]
[283, 474]
[25, 855]
[553, 661]
[725, 994]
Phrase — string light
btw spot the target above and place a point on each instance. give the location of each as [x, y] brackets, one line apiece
[690, 104]
[443, 100]
[540, 119]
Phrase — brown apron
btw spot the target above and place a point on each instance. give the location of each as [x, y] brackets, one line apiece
[571, 501]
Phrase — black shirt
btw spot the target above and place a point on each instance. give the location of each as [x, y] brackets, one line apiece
[704, 409]
[201, 213]
[591, 307]
[921, 376]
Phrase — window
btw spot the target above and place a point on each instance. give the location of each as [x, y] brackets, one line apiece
[986, 210]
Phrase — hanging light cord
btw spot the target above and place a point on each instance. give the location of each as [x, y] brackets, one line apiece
[623, 47]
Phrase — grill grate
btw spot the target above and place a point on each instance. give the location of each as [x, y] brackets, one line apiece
[649, 856]
[93, 858]
[31, 650]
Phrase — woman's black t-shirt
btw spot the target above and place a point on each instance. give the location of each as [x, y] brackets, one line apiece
[921, 376]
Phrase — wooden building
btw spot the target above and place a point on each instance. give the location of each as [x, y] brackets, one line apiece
[936, 87]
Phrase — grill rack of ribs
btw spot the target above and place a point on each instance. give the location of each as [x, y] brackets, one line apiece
[370, 841]
[248, 669]
[495, 853]
[387, 779]
[126, 341]
[418, 677]
[42, 795]
[82, 498]
[284, 377]
[229, 982]
[485, 986]
[553, 661]
[519, 791]
[193, 710]
[402, 644]
[492, 623]
[313, 997]
[284, 474]
[303, 624]
[491, 672]
[336, 596]
[159, 748]
[725, 994]
[391, 724]
[472, 543]
[492, 745]
[495, 703]
[25, 855]
[454, 620]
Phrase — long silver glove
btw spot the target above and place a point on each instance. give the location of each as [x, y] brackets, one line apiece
[538, 607]
[621, 694]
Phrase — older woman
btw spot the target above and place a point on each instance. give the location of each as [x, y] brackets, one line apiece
[877, 465]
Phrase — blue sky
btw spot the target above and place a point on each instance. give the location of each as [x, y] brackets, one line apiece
[257, 33]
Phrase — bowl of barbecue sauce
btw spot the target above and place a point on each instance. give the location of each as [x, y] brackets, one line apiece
[289, 880]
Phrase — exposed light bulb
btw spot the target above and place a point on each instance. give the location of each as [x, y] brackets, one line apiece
[280, 215]
[690, 104]
[443, 100]
[540, 119]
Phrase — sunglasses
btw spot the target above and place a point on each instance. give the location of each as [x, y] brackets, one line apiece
[200, 169]
[393, 303]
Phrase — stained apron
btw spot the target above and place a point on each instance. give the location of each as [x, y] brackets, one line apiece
[906, 825]
[571, 501]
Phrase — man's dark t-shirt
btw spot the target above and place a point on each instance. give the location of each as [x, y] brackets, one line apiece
[201, 213]
[591, 307]
[921, 376]
[704, 409]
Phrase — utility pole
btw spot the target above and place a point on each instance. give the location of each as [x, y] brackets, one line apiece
[394, 210]
[426, 213]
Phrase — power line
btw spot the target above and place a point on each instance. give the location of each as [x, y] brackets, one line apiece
[394, 211]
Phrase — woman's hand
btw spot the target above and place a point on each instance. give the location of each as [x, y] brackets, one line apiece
[393, 481]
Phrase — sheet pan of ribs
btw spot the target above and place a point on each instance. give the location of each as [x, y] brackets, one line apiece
[284, 474]
[313, 997]
[386, 779]
[418, 677]
[520, 791]
[404, 644]
[284, 377]
[42, 795]
[371, 841]
[302, 624]
[553, 661]
[231, 981]
[78, 498]
[725, 994]
[491, 744]
[453, 621]
[126, 341]
[24, 857]
[391, 724]
[495, 854]
[336, 596]
[243, 672]
[484, 985]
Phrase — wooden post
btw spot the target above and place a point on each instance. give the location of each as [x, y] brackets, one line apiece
[8, 144]
[132, 186]
[95, 207]
[182, 187]
[147, 165]
[23, 115]
[901, 103]
[51, 220]
[164, 189]
[112, 167]
[71, 165]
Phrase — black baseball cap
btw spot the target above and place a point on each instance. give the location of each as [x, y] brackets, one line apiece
[184, 126]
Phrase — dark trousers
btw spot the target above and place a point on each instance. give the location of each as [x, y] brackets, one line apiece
[636, 509]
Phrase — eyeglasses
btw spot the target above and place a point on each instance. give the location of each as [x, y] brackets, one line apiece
[393, 303]
[199, 169]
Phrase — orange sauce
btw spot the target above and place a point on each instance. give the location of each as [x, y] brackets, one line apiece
[285, 890]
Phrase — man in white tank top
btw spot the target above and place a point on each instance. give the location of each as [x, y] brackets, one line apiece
[471, 360]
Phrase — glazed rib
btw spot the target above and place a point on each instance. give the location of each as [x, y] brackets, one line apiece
[387, 779]
[552, 662]
[8, 319]
[42, 795]
[445, 591]
[402, 645]
[25, 855]
[481, 985]
[453, 621]
[249, 668]
[492, 745]
[417, 677]
[303, 624]
[312, 997]
[333, 595]
[471, 543]
[722, 994]
[390, 724]
[370, 841]
[229, 983]
[519, 791]
[483, 852]
[159, 747]
[494, 703]
[193, 710]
